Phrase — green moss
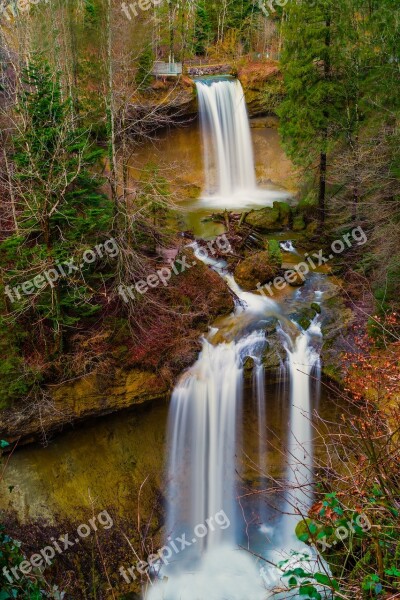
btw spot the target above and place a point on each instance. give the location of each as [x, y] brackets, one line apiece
[285, 212]
[274, 251]
[315, 306]
[298, 223]
[266, 219]
[307, 204]
[257, 268]
[304, 323]
[333, 372]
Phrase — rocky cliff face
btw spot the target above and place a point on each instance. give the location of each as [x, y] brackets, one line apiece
[263, 87]
[149, 370]
[262, 84]
[94, 395]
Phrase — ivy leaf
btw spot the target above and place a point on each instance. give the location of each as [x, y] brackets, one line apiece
[3, 444]
[313, 528]
[325, 580]
[298, 572]
[393, 571]
[309, 590]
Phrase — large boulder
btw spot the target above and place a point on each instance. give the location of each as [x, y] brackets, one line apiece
[266, 219]
[258, 268]
[270, 218]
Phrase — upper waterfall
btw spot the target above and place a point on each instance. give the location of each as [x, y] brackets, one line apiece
[229, 168]
[226, 137]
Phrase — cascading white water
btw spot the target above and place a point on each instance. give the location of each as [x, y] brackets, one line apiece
[259, 387]
[303, 358]
[204, 436]
[226, 137]
[204, 431]
[288, 246]
[203, 426]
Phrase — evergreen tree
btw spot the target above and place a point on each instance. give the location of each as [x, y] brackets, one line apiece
[202, 29]
[60, 213]
[145, 66]
[313, 92]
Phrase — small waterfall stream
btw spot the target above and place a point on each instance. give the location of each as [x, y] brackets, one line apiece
[303, 361]
[205, 423]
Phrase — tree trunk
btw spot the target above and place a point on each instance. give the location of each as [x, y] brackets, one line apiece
[323, 155]
[111, 113]
[322, 188]
[171, 31]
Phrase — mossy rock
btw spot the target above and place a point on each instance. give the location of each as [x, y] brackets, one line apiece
[248, 365]
[257, 268]
[275, 254]
[271, 359]
[298, 223]
[312, 229]
[304, 317]
[307, 204]
[271, 218]
[304, 323]
[266, 219]
[285, 213]
[315, 306]
[334, 373]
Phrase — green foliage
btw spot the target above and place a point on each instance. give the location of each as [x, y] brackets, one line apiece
[60, 213]
[202, 29]
[33, 587]
[16, 377]
[355, 544]
[313, 97]
[92, 13]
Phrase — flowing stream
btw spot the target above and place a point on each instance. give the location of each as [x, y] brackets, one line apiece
[205, 422]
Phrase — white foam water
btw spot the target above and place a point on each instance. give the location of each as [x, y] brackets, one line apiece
[303, 361]
[288, 246]
[204, 432]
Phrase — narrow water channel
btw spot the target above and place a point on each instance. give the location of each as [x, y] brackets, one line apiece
[205, 422]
